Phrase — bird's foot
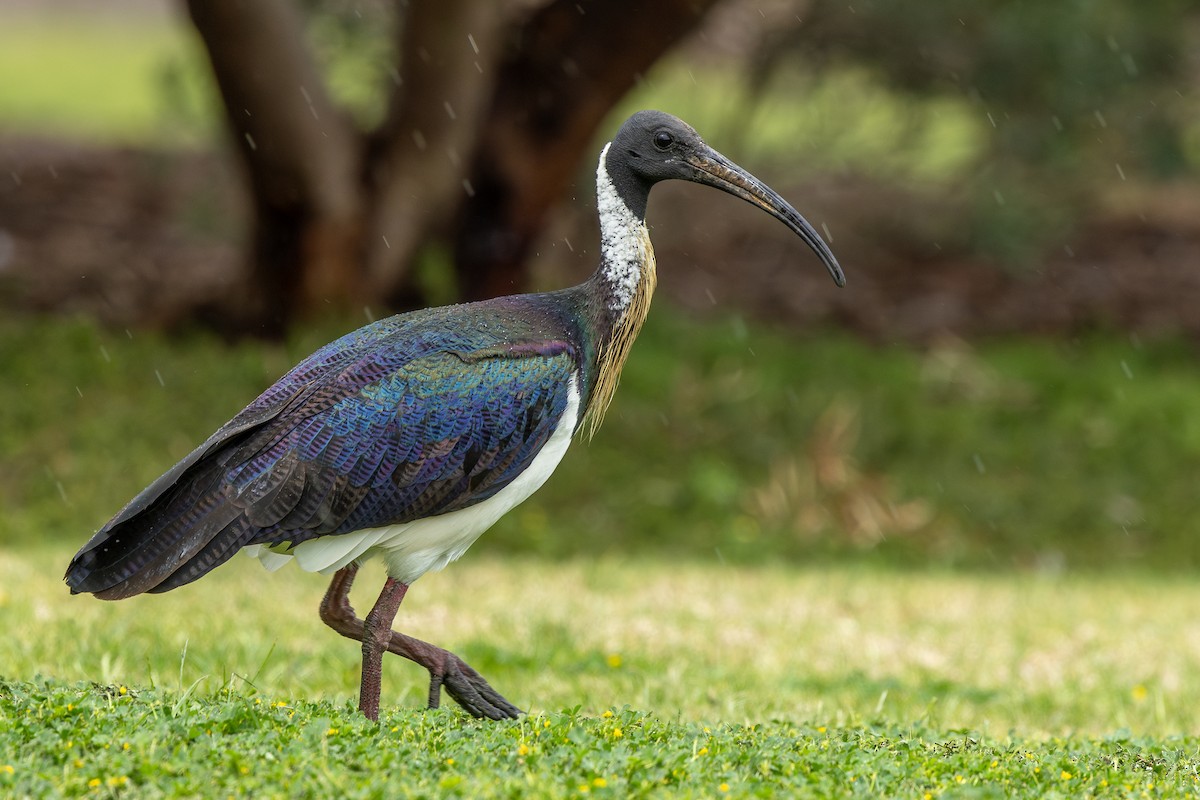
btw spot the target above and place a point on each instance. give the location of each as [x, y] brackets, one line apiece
[467, 688]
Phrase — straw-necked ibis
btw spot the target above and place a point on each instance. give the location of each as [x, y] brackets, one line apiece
[408, 438]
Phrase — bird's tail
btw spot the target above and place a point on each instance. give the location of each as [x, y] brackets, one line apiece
[186, 518]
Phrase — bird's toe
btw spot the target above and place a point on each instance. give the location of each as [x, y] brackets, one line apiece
[469, 689]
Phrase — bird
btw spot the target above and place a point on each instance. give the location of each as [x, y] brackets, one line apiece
[408, 438]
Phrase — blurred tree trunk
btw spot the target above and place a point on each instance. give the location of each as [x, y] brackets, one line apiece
[564, 70]
[490, 110]
[300, 153]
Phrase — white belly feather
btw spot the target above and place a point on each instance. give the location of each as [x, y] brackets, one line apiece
[411, 549]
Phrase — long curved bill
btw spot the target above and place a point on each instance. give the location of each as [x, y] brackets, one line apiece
[714, 169]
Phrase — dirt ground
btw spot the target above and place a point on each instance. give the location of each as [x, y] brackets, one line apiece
[136, 238]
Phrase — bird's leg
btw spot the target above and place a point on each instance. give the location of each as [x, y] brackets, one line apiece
[377, 636]
[336, 611]
[466, 686]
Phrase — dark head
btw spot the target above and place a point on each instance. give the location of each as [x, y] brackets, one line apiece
[653, 146]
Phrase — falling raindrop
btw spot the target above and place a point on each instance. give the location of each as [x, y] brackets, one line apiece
[386, 243]
[468, 188]
[158, 375]
[1125, 368]
[250, 141]
[104, 352]
[1100, 118]
[828, 235]
[1120, 172]
[979, 464]
[308, 99]
[475, 47]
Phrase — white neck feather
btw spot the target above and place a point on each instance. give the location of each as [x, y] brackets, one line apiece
[624, 241]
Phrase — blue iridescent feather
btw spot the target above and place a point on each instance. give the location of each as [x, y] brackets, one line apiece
[413, 416]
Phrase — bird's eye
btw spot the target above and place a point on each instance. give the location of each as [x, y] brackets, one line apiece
[663, 140]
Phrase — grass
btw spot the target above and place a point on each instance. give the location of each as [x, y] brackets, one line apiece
[726, 576]
[101, 76]
[737, 551]
[155, 744]
[730, 570]
[723, 443]
[839, 645]
[637, 674]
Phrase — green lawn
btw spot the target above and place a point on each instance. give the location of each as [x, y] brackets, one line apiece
[802, 565]
[638, 674]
